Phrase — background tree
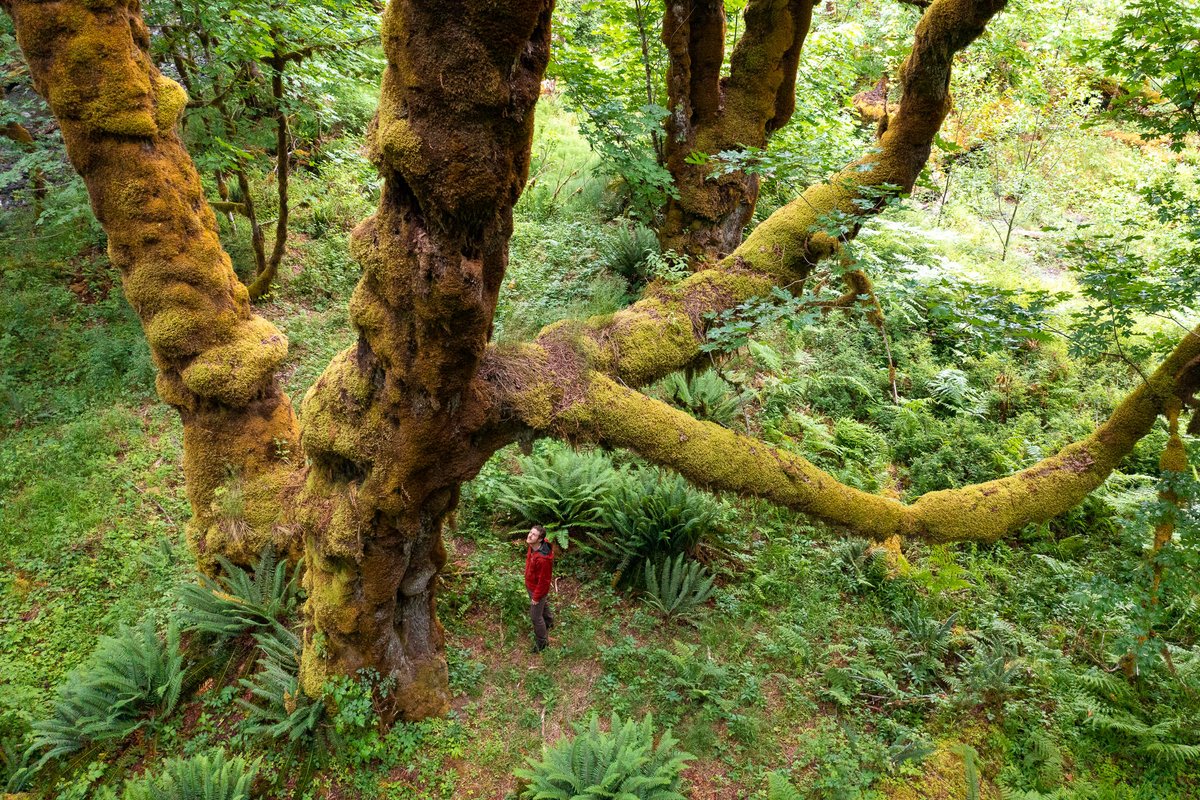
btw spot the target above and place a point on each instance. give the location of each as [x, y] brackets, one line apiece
[414, 408]
[252, 71]
[609, 64]
[710, 113]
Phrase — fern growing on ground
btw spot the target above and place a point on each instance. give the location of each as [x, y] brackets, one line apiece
[628, 253]
[15, 773]
[239, 601]
[780, 788]
[1111, 708]
[278, 709]
[622, 763]
[655, 515]
[679, 587]
[562, 490]
[201, 777]
[132, 680]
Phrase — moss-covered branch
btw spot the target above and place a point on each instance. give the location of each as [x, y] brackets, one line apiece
[664, 331]
[216, 360]
[721, 459]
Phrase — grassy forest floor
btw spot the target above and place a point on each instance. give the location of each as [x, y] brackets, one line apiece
[851, 671]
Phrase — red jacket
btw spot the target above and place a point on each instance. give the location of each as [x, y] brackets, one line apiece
[538, 566]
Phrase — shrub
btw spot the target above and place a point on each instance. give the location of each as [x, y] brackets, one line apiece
[130, 681]
[201, 777]
[601, 765]
[563, 490]
[655, 515]
[238, 601]
[679, 587]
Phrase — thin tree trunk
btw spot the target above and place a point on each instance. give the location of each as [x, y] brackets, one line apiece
[269, 266]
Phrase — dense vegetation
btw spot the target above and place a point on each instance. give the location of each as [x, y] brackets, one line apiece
[707, 646]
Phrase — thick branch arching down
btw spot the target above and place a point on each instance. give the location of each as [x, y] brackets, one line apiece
[721, 459]
[575, 379]
[216, 360]
[664, 331]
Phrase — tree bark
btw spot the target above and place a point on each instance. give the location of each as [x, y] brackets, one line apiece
[268, 266]
[216, 360]
[710, 114]
[397, 422]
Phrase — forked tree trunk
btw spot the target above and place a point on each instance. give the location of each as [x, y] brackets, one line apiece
[710, 114]
[397, 422]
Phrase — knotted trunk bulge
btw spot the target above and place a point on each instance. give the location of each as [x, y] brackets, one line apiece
[710, 114]
[216, 360]
[398, 421]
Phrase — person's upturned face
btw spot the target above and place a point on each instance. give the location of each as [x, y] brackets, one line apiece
[533, 538]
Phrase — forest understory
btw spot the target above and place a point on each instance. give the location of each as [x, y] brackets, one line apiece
[1029, 283]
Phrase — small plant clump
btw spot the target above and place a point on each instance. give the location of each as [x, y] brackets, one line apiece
[206, 776]
[131, 681]
[623, 762]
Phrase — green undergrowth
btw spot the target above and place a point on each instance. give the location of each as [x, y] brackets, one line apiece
[816, 664]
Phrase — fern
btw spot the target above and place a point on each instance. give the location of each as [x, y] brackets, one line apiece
[705, 396]
[679, 588]
[628, 253]
[562, 490]
[15, 771]
[201, 777]
[952, 390]
[277, 707]
[654, 515]
[970, 757]
[860, 565]
[780, 788]
[993, 671]
[1110, 707]
[132, 680]
[622, 763]
[238, 601]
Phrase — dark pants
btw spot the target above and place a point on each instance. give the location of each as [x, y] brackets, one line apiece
[542, 619]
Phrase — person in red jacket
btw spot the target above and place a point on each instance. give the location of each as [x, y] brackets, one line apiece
[539, 564]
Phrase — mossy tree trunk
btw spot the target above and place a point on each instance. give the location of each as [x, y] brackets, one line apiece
[401, 419]
[710, 114]
[216, 360]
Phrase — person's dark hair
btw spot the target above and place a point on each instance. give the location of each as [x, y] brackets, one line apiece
[541, 531]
